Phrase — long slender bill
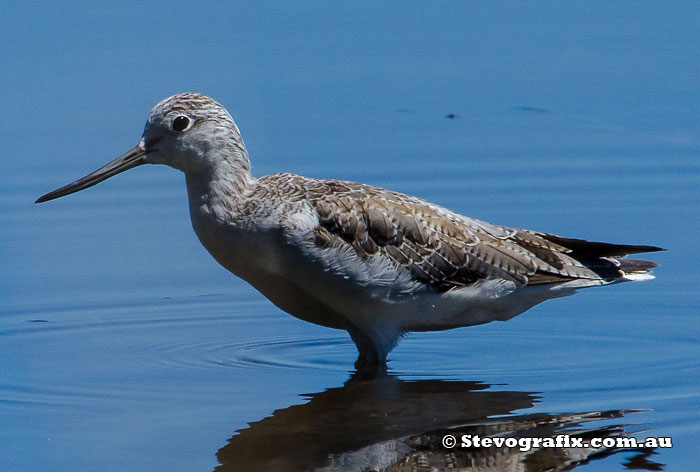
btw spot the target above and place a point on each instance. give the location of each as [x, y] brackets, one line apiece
[132, 158]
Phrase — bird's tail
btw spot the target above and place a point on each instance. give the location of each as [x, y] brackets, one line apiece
[636, 269]
[604, 263]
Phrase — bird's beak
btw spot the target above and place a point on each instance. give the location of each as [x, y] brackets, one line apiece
[132, 158]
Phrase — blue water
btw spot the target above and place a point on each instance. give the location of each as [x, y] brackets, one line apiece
[124, 346]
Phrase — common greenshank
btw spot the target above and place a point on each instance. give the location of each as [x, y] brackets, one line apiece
[340, 254]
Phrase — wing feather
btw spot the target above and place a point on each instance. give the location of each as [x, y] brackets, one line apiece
[446, 250]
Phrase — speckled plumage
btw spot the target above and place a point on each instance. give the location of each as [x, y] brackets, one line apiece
[350, 256]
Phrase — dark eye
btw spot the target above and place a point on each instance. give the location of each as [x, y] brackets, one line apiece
[181, 123]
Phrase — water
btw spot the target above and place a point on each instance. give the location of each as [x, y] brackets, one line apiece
[124, 345]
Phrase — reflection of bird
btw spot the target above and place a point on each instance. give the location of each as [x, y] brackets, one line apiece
[387, 424]
[345, 255]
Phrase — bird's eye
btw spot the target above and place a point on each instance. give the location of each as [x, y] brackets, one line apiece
[181, 123]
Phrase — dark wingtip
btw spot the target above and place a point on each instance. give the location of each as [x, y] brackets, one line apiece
[654, 249]
[599, 249]
[640, 249]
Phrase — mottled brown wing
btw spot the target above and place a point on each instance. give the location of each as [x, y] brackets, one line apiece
[447, 250]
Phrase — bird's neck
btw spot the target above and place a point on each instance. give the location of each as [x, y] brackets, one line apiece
[221, 190]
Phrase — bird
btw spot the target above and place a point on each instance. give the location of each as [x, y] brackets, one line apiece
[373, 262]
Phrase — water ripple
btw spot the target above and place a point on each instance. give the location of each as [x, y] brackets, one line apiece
[112, 348]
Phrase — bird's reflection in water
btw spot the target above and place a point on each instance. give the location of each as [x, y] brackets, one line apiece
[382, 423]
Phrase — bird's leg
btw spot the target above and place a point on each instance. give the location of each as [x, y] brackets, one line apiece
[368, 369]
[368, 360]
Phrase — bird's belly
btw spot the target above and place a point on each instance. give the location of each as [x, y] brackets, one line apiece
[264, 260]
[304, 287]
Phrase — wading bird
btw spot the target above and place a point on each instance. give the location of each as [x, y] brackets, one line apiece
[370, 261]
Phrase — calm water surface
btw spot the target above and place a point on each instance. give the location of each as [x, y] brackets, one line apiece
[124, 346]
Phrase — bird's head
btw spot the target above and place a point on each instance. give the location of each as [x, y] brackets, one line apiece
[189, 131]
